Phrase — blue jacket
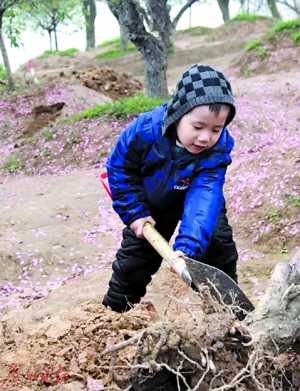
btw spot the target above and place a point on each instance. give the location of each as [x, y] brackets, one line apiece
[143, 172]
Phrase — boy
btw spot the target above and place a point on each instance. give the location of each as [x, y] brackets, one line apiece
[169, 165]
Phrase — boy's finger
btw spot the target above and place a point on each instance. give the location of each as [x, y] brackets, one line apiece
[139, 232]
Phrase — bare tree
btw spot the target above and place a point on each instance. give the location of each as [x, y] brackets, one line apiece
[272, 4]
[292, 5]
[90, 13]
[152, 44]
[224, 7]
[4, 6]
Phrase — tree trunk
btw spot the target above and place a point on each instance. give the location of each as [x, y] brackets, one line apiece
[153, 49]
[124, 38]
[55, 39]
[9, 76]
[224, 7]
[156, 73]
[275, 323]
[273, 8]
[50, 39]
[90, 13]
[185, 7]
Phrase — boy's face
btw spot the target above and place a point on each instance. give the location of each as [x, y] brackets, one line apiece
[201, 129]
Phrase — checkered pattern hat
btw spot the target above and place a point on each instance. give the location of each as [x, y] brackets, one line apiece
[199, 85]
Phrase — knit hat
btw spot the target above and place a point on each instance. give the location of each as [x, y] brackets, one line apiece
[199, 85]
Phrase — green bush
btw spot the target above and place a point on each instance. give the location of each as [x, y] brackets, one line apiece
[248, 17]
[2, 72]
[288, 26]
[113, 53]
[253, 45]
[121, 108]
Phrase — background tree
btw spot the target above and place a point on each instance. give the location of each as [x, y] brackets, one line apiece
[90, 13]
[291, 5]
[49, 15]
[272, 4]
[7, 6]
[224, 7]
[152, 44]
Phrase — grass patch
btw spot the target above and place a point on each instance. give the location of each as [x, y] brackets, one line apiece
[2, 72]
[253, 45]
[198, 30]
[121, 108]
[46, 152]
[262, 53]
[248, 17]
[275, 215]
[115, 41]
[64, 53]
[48, 135]
[292, 199]
[113, 53]
[12, 163]
[291, 27]
[296, 36]
[47, 53]
[68, 53]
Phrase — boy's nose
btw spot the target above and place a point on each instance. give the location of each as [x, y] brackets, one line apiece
[204, 138]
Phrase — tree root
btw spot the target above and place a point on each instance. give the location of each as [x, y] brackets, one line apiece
[214, 351]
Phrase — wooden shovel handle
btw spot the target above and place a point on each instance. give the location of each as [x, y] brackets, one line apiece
[165, 250]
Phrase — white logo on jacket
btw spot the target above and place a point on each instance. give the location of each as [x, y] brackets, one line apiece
[185, 184]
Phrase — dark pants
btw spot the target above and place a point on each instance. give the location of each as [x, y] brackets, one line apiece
[137, 261]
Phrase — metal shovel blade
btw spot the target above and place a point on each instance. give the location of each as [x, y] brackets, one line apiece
[222, 287]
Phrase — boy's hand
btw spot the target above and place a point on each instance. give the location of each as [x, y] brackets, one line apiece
[137, 225]
[176, 254]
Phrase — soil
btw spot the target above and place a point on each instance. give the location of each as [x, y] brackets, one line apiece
[273, 55]
[59, 235]
[101, 79]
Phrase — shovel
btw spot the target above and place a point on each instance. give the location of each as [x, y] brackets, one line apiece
[195, 273]
[223, 288]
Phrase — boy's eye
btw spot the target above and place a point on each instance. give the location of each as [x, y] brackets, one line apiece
[217, 130]
[197, 127]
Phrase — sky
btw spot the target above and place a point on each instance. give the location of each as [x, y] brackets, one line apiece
[106, 28]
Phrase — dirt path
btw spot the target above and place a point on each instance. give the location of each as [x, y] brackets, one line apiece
[54, 228]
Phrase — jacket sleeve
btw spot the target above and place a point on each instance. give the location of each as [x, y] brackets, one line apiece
[123, 165]
[201, 212]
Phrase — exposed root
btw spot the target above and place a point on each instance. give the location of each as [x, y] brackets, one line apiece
[222, 355]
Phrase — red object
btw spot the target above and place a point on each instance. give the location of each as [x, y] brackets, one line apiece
[104, 180]
[30, 64]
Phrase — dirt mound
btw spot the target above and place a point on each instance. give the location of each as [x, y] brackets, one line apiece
[42, 116]
[241, 29]
[101, 79]
[92, 348]
[280, 52]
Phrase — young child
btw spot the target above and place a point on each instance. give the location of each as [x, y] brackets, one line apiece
[169, 165]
